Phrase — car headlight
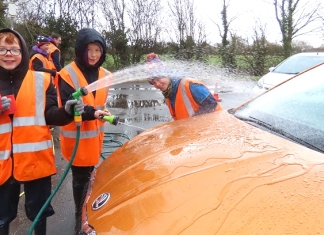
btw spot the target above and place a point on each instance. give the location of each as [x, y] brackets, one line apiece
[87, 229]
[260, 82]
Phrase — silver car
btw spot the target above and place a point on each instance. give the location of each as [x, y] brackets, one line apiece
[287, 69]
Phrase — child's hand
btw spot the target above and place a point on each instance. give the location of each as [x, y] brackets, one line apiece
[98, 113]
[5, 103]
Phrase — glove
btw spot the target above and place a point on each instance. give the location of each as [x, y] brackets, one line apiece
[77, 104]
[53, 73]
[5, 102]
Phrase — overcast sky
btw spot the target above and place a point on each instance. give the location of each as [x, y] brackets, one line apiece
[248, 11]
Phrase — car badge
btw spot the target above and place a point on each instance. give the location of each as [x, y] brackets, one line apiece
[100, 201]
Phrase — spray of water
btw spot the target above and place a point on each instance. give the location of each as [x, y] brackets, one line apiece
[209, 74]
[132, 73]
[122, 123]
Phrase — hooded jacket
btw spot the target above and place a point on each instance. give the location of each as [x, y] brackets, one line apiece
[10, 82]
[40, 61]
[73, 76]
[55, 54]
[26, 141]
[84, 37]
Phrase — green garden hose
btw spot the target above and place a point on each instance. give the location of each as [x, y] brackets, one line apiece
[59, 183]
[109, 142]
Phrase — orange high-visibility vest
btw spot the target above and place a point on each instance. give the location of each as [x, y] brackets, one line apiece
[53, 48]
[48, 64]
[185, 104]
[27, 133]
[92, 132]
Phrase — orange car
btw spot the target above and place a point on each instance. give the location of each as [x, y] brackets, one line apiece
[255, 169]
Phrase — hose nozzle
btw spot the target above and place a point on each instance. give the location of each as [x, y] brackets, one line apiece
[82, 91]
[111, 119]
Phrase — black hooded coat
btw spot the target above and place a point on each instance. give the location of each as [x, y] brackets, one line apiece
[37, 64]
[91, 73]
[11, 80]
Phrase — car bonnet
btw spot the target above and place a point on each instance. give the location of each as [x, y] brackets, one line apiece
[210, 174]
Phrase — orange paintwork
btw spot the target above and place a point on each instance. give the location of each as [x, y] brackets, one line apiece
[210, 174]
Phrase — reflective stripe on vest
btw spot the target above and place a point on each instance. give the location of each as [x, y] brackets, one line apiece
[4, 155]
[73, 76]
[39, 120]
[92, 131]
[40, 57]
[76, 83]
[185, 98]
[40, 96]
[83, 134]
[28, 121]
[32, 147]
[5, 128]
[75, 80]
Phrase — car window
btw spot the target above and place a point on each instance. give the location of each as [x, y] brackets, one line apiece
[295, 108]
[297, 64]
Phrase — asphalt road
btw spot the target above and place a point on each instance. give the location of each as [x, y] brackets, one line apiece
[139, 107]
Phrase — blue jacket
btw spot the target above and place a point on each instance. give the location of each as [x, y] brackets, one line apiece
[200, 93]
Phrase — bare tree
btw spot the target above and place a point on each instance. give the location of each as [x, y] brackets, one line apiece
[188, 30]
[115, 31]
[32, 11]
[85, 13]
[301, 46]
[295, 19]
[227, 47]
[255, 53]
[224, 27]
[114, 10]
[36, 17]
[30, 19]
[145, 18]
[183, 15]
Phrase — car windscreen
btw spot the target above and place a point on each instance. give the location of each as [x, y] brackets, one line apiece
[294, 109]
[297, 64]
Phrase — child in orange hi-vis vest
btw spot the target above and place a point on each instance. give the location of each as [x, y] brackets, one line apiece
[28, 106]
[185, 97]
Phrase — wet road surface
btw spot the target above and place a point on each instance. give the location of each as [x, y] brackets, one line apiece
[138, 105]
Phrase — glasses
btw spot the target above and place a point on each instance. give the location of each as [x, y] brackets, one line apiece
[14, 51]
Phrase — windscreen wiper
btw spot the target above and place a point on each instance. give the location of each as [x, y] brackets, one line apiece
[298, 140]
[253, 121]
